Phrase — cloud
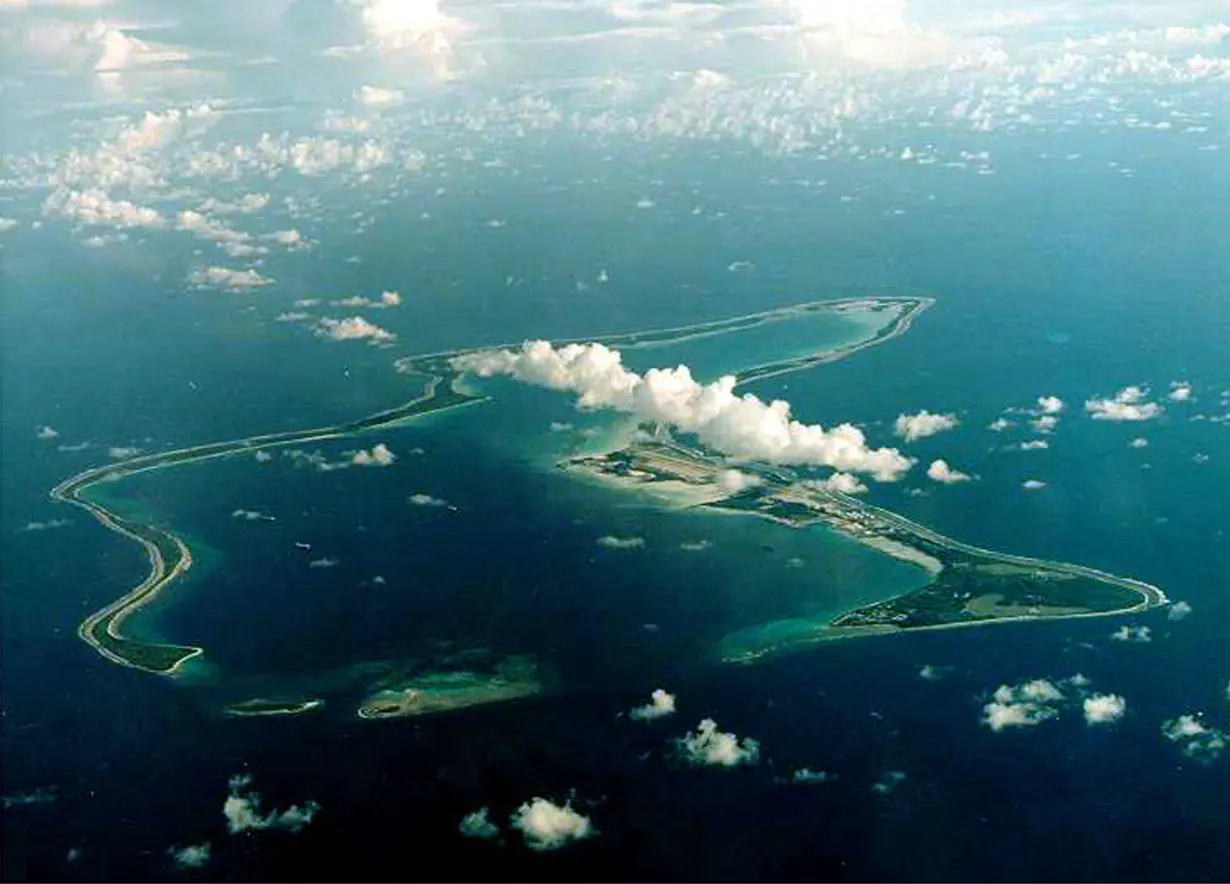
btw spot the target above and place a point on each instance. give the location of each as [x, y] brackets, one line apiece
[709, 746]
[734, 481]
[49, 525]
[1044, 423]
[695, 545]
[1050, 405]
[422, 499]
[379, 456]
[1180, 391]
[1136, 634]
[888, 783]
[1025, 705]
[933, 673]
[1035, 445]
[1104, 709]
[477, 825]
[122, 452]
[1000, 424]
[1139, 442]
[1033, 484]
[841, 482]
[912, 427]
[47, 433]
[243, 812]
[322, 564]
[1197, 739]
[742, 426]
[225, 277]
[805, 776]
[1127, 405]
[378, 96]
[192, 857]
[940, 471]
[1179, 611]
[547, 826]
[610, 541]
[353, 328]
[95, 207]
[660, 705]
[252, 516]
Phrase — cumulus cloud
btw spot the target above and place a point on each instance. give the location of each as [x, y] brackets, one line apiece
[1044, 423]
[1104, 709]
[242, 810]
[933, 673]
[191, 857]
[1139, 442]
[228, 278]
[547, 826]
[1025, 705]
[1198, 740]
[122, 452]
[1136, 634]
[610, 541]
[1179, 611]
[912, 427]
[379, 96]
[695, 545]
[940, 471]
[96, 207]
[734, 481]
[1180, 391]
[1035, 445]
[352, 328]
[1033, 484]
[251, 516]
[660, 705]
[841, 482]
[805, 776]
[49, 525]
[1050, 405]
[423, 499]
[1000, 424]
[478, 825]
[888, 783]
[47, 433]
[707, 746]
[742, 426]
[1128, 404]
[378, 456]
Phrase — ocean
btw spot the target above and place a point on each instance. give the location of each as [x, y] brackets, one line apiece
[1077, 287]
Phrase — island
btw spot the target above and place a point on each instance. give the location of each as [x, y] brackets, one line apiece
[512, 678]
[967, 586]
[260, 707]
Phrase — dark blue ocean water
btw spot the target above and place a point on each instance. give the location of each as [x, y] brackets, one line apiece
[1063, 279]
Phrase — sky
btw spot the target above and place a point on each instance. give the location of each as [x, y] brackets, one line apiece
[129, 119]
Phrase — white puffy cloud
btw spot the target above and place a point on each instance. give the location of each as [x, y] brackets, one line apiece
[1033, 484]
[191, 857]
[1025, 705]
[1104, 709]
[709, 746]
[225, 277]
[251, 516]
[352, 328]
[912, 427]
[610, 541]
[805, 776]
[1050, 405]
[378, 456]
[379, 96]
[1000, 424]
[1179, 611]
[1035, 445]
[1127, 405]
[840, 482]
[1198, 740]
[422, 499]
[1139, 442]
[1044, 423]
[96, 207]
[660, 705]
[478, 825]
[734, 481]
[1135, 634]
[742, 426]
[242, 810]
[47, 433]
[940, 471]
[547, 826]
[1180, 391]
